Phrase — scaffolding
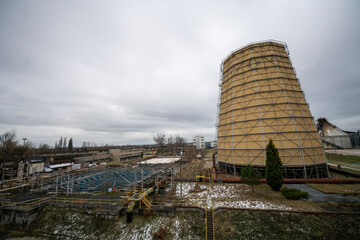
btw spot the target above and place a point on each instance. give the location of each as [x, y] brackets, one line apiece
[261, 99]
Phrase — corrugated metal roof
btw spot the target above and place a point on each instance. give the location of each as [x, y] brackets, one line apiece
[60, 165]
[328, 130]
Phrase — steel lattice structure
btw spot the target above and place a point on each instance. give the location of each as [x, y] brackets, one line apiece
[261, 98]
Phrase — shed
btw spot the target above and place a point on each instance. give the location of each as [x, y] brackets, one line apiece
[29, 166]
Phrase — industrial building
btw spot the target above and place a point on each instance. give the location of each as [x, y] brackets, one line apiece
[261, 99]
[333, 137]
[199, 142]
[115, 155]
[30, 166]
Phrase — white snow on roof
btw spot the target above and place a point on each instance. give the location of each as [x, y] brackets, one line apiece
[160, 160]
[60, 165]
[47, 169]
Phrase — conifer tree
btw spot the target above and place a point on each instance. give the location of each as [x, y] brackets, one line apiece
[70, 145]
[274, 169]
[250, 176]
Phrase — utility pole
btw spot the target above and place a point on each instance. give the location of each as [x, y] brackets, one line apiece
[68, 182]
[56, 187]
[42, 184]
[134, 181]
[172, 180]
[142, 180]
[180, 181]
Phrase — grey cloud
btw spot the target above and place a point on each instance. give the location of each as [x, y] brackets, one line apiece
[119, 72]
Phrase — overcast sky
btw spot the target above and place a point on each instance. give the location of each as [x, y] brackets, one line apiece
[118, 72]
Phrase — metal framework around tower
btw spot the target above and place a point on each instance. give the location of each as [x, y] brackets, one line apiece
[260, 98]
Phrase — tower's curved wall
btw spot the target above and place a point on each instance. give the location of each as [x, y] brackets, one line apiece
[261, 98]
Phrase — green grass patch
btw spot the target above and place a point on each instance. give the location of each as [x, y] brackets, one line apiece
[345, 160]
[351, 170]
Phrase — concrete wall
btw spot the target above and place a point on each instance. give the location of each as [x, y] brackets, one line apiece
[35, 167]
[340, 141]
[97, 157]
[199, 142]
[115, 154]
[118, 155]
[30, 168]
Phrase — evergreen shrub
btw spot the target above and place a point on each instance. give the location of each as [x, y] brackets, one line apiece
[293, 193]
[274, 170]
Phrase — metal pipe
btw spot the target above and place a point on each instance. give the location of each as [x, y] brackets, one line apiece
[214, 165]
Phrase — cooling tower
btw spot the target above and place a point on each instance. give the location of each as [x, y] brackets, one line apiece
[261, 98]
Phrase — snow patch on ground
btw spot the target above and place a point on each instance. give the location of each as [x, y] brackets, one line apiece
[160, 160]
[251, 205]
[216, 195]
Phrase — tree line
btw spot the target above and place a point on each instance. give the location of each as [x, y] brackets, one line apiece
[11, 150]
[172, 145]
[63, 145]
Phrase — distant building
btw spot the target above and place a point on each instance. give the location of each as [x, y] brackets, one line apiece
[115, 155]
[199, 142]
[29, 166]
[118, 155]
[354, 138]
[211, 145]
[332, 136]
[214, 144]
[93, 159]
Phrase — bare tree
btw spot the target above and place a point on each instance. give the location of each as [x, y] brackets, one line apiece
[60, 144]
[11, 151]
[159, 139]
[44, 146]
[8, 145]
[171, 145]
[189, 153]
[180, 143]
[64, 144]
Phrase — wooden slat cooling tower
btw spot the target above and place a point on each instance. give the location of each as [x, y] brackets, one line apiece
[261, 98]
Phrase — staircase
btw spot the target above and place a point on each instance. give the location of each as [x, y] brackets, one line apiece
[209, 225]
[147, 201]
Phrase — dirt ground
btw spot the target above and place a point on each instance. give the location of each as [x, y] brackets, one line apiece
[190, 169]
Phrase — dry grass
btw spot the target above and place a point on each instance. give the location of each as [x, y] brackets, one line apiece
[342, 189]
[335, 175]
[250, 225]
[196, 165]
[232, 194]
[264, 193]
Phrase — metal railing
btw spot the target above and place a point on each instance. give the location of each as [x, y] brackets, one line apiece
[257, 42]
[206, 223]
[213, 219]
[56, 201]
